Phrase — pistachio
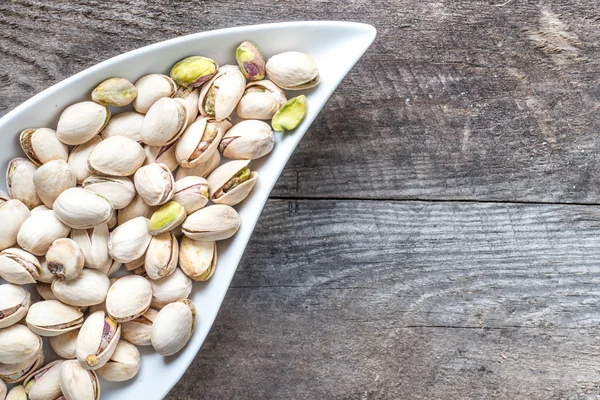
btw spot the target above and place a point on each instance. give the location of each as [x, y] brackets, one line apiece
[3, 390]
[14, 304]
[81, 209]
[4, 197]
[39, 208]
[78, 159]
[116, 92]
[41, 145]
[19, 267]
[78, 384]
[165, 122]
[161, 256]
[97, 340]
[44, 383]
[128, 298]
[118, 190]
[19, 181]
[212, 223]
[17, 372]
[45, 275]
[202, 170]
[251, 61]
[17, 393]
[154, 183]
[52, 318]
[87, 289]
[198, 259]
[113, 267]
[138, 331]
[200, 141]
[123, 365]
[19, 344]
[135, 264]
[39, 231]
[81, 122]
[126, 124]
[112, 221]
[261, 100]
[290, 115]
[13, 213]
[45, 290]
[231, 182]
[161, 155]
[116, 156]
[248, 140]
[193, 71]
[293, 71]
[137, 208]
[176, 286]
[65, 259]
[94, 246]
[166, 218]
[219, 96]
[51, 179]
[130, 240]
[151, 88]
[64, 345]
[190, 96]
[192, 193]
[173, 327]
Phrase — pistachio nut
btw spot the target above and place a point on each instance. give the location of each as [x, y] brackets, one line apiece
[64, 345]
[39, 208]
[166, 218]
[51, 179]
[14, 304]
[203, 170]
[88, 289]
[19, 344]
[94, 245]
[192, 193]
[190, 96]
[78, 159]
[116, 156]
[193, 71]
[176, 286]
[65, 259]
[45, 275]
[161, 256]
[112, 221]
[161, 155]
[123, 365]
[137, 208]
[17, 393]
[128, 124]
[3, 390]
[81, 209]
[17, 372]
[199, 141]
[231, 182]
[81, 122]
[13, 213]
[212, 223]
[76, 383]
[293, 70]
[261, 100]
[151, 88]
[130, 240]
[19, 267]
[219, 96]
[173, 327]
[113, 267]
[119, 190]
[251, 61]
[52, 318]
[165, 122]
[290, 115]
[135, 264]
[154, 183]
[45, 290]
[198, 259]
[41, 145]
[44, 383]
[97, 340]
[138, 331]
[248, 140]
[128, 298]
[40, 230]
[19, 181]
[116, 92]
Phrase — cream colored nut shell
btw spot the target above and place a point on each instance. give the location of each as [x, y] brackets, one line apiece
[18, 344]
[77, 383]
[174, 287]
[212, 223]
[51, 179]
[173, 327]
[123, 365]
[14, 304]
[13, 214]
[128, 298]
[129, 241]
[88, 289]
[81, 122]
[116, 156]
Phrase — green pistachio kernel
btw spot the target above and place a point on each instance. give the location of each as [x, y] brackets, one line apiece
[166, 218]
[193, 71]
[290, 115]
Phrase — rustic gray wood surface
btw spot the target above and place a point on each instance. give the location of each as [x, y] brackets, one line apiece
[435, 236]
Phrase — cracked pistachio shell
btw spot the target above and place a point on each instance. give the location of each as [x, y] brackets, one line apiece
[78, 159]
[137, 331]
[13, 213]
[248, 140]
[94, 245]
[64, 345]
[137, 208]
[251, 61]
[44, 382]
[123, 365]
[128, 298]
[52, 318]
[202, 170]
[192, 193]
[190, 96]
[116, 92]
[174, 287]
[293, 70]
[40, 230]
[97, 340]
[290, 115]
[45, 291]
[261, 100]
[198, 259]
[212, 223]
[81, 209]
[151, 88]
[166, 218]
[77, 383]
[231, 182]
[14, 304]
[112, 268]
[65, 259]
[129, 241]
[17, 393]
[17, 372]
[128, 124]
[200, 141]
[164, 122]
[19, 181]
[112, 221]
[220, 96]
[119, 190]
[18, 266]
[116, 156]
[45, 275]
[51, 179]
[161, 155]
[19, 344]
[154, 183]
[3, 390]
[87, 289]
[173, 327]
[81, 122]
[41, 145]
[162, 256]
[193, 71]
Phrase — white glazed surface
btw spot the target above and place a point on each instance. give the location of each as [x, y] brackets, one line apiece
[336, 47]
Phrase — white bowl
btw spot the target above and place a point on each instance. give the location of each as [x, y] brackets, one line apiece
[336, 47]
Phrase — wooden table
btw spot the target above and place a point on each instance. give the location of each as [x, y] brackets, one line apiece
[435, 236]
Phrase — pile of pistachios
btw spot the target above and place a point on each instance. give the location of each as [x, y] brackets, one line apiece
[113, 217]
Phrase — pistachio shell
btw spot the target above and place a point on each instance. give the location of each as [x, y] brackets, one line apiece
[112, 221]
[64, 345]
[128, 298]
[231, 182]
[166, 218]
[161, 256]
[51, 179]
[290, 115]
[88, 289]
[17, 393]
[190, 96]
[137, 208]
[251, 61]
[65, 259]
[81, 122]
[151, 88]
[198, 259]
[76, 383]
[173, 327]
[14, 304]
[118, 190]
[17, 372]
[13, 213]
[192, 193]
[130, 240]
[44, 383]
[176, 286]
[164, 122]
[18, 266]
[41, 145]
[40, 230]
[154, 183]
[193, 71]
[52, 318]
[78, 159]
[200, 141]
[248, 140]
[123, 365]
[161, 155]
[293, 70]
[138, 331]
[3, 390]
[212, 223]
[203, 170]
[116, 156]
[97, 340]
[261, 100]
[45, 291]
[19, 181]
[81, 209]
[219, 97]
[45, 275]
[94, 245]
[113, 267]
[19, 344]
[116, 92]
[126, 124]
